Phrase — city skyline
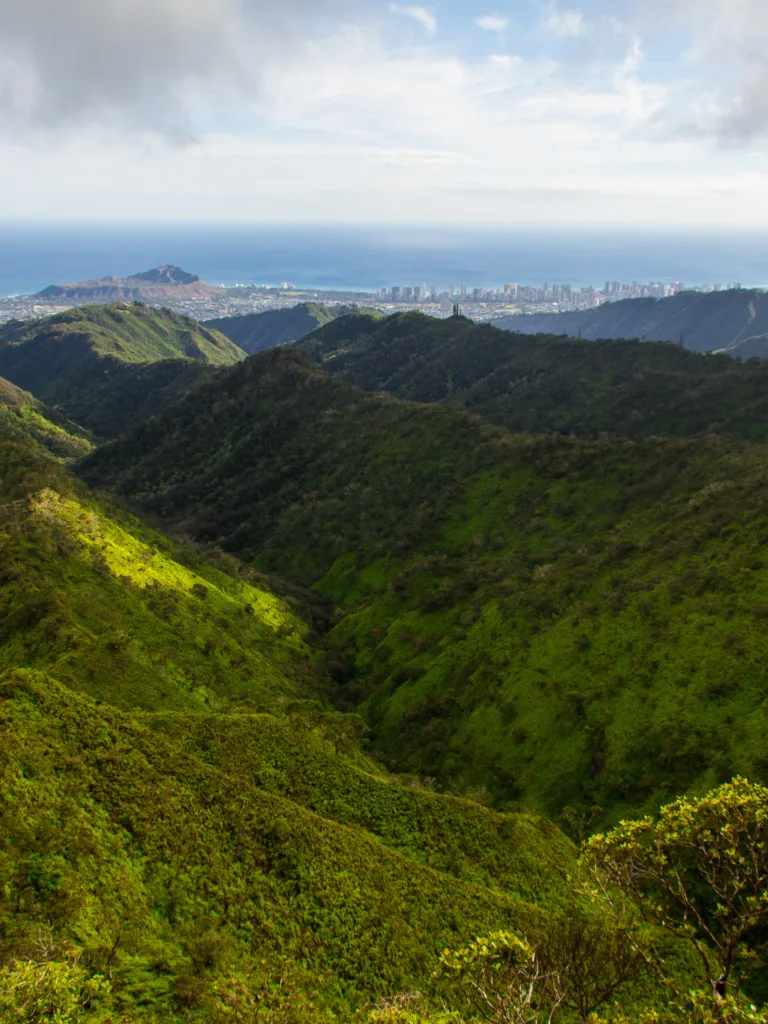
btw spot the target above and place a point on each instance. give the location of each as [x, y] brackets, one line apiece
[565, 296]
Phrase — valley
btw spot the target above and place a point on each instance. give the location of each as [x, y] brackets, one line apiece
[321, 663]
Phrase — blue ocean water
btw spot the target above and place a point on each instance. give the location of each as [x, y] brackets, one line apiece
[33, 256]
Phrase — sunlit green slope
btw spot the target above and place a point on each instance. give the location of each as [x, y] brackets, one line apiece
[24, 418]
[568, 624]
[68, 360]
[115, 609]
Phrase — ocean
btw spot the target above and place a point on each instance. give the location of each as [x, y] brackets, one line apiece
[33, 256]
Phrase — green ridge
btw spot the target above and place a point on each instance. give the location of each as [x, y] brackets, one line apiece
[548, 384]
[70, 360]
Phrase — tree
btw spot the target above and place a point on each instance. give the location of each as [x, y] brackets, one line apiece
[590, 957]
[504, 979]
[59, 991]
[699, 871]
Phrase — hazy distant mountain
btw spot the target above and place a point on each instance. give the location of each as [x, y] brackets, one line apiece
[256, 332]
[161, 283]
[734, 321]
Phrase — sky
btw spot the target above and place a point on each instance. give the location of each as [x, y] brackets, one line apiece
[631, 113]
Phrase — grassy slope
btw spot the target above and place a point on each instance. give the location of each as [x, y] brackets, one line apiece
[68, 360]
[176, 838]
[733, 320]
[112, 608]
[548, 384]
[562, 622]
[26, 419]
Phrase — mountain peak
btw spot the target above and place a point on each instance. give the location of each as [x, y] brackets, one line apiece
[166, 274]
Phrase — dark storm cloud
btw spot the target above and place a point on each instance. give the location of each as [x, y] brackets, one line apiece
[146, 64]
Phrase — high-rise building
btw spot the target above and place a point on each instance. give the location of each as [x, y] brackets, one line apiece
[433, 292]
[450, 289]
[396, 294]
[463, 290]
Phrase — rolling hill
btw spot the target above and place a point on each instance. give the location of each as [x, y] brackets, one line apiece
[545, 383]
[76, 360]
[563, 623]
[734, 321]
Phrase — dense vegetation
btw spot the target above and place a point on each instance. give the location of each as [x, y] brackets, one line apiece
[72, 359]
[548, 384]
[256, 332]
[24, 418]
[225, 758]
[567, 624]
[177, 815]
[735, 321]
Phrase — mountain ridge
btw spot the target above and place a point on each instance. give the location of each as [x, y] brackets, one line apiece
[733, 321]
[79, 358]
[548, 383]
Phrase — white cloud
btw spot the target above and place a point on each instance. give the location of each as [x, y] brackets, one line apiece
[729, 55]
[564, 24]
[492, 22]
[348, 126]
[423, 15]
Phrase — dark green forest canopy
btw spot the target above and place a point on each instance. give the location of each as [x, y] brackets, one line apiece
[255, 332]
[565, 623]
[545, 383]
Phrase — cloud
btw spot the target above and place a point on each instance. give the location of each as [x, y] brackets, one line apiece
[564, 24]
[423, 15]
[148, 64]
[728, 61]
[492, 22]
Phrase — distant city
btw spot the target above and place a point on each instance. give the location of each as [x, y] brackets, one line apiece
[562, 296]
[480, 304]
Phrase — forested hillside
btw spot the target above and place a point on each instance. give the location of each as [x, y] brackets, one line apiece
[188, 825]
[256, 332]
[548, 384]
[562, 623]
[82, 361]
[735, 321]
[24, 418]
